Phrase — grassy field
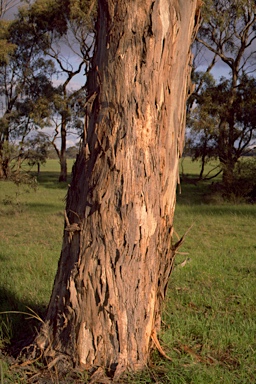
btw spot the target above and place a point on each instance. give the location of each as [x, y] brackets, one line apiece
[209, 317]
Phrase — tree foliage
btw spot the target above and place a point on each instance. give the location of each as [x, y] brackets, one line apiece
[222, 122]
[67, 30]
[51, 42]
[25, 88]
[36, 150]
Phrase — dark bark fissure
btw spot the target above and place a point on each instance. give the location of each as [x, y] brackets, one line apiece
[117, 255]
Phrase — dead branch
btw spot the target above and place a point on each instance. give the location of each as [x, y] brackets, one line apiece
[178, 244]
[158, 346]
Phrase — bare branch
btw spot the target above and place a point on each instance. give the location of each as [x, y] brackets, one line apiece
[6, 5]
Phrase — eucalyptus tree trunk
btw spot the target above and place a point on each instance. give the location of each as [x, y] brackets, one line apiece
[117, 253]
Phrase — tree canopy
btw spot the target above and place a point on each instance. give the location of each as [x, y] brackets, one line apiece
[50, 43]
[222, 122]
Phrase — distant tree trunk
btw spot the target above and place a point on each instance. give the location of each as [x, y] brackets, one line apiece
[63, 168]
[1, 157]
[227, 154]
[62, 152]
[1, 170]
[4, 165]
[228, 176]
[117, 253]
[4, 154]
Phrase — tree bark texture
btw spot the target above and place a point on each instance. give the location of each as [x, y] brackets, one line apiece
[117, 253]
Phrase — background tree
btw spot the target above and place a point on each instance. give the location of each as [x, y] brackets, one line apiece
[73, 151]
[69, 31]
[35, 150]
[66, 119]
[25, 89]
[6, 5]
[227, 33]
[201, 124]
[39, 31]
[117, 254]
[207, 135]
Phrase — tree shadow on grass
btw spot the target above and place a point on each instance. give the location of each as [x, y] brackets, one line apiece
[51, 180]
[56, 209]
[224, 210]
[17, 329]
[207, 198]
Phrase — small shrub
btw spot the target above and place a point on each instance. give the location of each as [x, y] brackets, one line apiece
[245, 180]
[243, 188]
[14, 203]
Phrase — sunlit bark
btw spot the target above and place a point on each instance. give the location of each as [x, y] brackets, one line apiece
[117, 253]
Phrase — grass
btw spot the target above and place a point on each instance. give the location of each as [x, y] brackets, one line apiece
[209, 316]
[30, 243]
[210, 312]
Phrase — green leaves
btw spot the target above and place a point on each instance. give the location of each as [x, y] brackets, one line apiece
[6, 47]
[41, 51]
[222, 122]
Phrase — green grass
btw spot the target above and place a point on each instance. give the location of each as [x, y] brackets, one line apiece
[31, 225]
[211, 308]
[209, 316]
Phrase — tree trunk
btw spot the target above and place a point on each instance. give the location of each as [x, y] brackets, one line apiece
[63, 167]
[4, 155]
[117, 254]
[227, 157]
[62, 152]
[1, 163]
[228, 168]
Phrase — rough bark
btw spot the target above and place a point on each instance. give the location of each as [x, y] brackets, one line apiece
[117, 254]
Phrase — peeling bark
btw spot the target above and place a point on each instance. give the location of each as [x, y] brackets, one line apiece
[117, 254]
